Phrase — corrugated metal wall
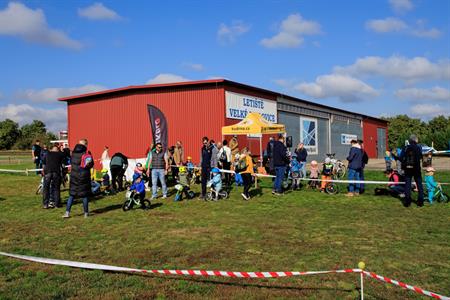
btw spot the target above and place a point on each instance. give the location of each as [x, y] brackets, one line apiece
[341, 125]
[122, 121]
[292, 123]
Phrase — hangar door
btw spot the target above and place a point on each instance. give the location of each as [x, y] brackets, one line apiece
[381, 142]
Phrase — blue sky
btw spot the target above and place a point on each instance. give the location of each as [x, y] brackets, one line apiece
[381, 58]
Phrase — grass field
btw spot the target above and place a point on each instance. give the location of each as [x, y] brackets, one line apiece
[299, 231]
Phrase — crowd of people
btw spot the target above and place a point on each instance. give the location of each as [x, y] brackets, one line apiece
[219, 164]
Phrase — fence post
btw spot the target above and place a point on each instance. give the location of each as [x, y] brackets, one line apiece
[26, 171]
[361, 266]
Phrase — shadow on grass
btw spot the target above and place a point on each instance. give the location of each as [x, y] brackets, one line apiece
[268, 285]
[106, 209]
[2, 199]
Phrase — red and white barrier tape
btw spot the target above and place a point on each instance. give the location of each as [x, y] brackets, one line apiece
[405, 286]
[207, 273]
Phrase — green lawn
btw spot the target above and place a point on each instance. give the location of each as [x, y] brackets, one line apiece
[300, 231]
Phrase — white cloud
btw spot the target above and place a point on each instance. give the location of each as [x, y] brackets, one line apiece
[98, 11]
[291, 32]
[31, 25]
[49, 95]
[435, 93]
[166, 78]
[398, 67]
[346, 88]
[228, 34]
[429, 110]
[54, 119]
[386, 25]
[193, 67]
[401, 6]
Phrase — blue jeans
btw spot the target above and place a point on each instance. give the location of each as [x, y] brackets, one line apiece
[70, 202]
[158, 174]
[279, 175]
[303, 169]
[353, 175]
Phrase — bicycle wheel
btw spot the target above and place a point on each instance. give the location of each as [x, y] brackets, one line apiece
[209, 195]
[39, 190]
[443, 198]
[342, 169]
[331, 188]
[127, 205]
[223, 194]
[145, 204]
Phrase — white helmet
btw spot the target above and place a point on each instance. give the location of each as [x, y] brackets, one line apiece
[327, 160]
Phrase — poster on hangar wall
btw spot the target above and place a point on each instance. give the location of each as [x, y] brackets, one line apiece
[239, 105]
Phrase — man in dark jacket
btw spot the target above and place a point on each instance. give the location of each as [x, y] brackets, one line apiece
[118, 165]
[206, 155]
[80, 179]
[279, 157]
[365, 160]
[52, 177]
[411, 158]
[355, 158]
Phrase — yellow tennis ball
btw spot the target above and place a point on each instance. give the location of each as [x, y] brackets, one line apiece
[361, 265]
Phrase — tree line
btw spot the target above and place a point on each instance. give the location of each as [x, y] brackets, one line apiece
[21, 138]
[435, 132]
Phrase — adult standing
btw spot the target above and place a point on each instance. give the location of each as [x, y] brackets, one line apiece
[36, 155]
[80, 178]
[158, 163]
[279, 156]
[118, 165]
[205, 163]
[365, 160]
[52, 177]
[178, 153]
[214, 154]
[302, 154]
[354, 158]
[234, 146]
[225, 160]
[246, 162]
[105, 155]
[411, 158]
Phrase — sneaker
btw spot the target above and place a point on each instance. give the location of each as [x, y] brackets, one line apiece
[349, 194]
[244, 196]
[66, 215]
[273, 192]
[277, 194]
[356, 194]
[45, 206]
[402, 195]
[51, 205]
[86, 215]
[164, 196]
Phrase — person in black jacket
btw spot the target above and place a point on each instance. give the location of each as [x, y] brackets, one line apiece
[411, 158]
[206, 155]
[118, 165]
[355, 158]
[80, 179]
[302, 154]
[52, 177]
[365, 160]
[279, 156]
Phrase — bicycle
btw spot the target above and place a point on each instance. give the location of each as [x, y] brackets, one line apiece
[132, 198]
[211, 195]
[339, 167]
[332, 187]
[439, 195]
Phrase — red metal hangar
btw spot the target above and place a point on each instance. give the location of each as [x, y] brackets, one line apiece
[123, 118]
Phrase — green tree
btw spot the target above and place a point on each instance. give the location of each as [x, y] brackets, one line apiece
[401, 127]
[439, 132]
[31, 132]
[9, 132]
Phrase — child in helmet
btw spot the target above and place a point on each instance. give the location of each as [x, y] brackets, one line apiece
[138, 186]
[314, 174]
[215, 182]
[431, 183]
[189, 167]
[294, 169]
[327, 172]
[105, 179]
[183, 185]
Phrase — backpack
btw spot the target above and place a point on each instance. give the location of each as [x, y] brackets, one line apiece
[410, 159]
[87, 161]
[242, 165]
[223, 156]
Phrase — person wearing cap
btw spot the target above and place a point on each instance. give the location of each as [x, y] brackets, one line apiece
[431, 183]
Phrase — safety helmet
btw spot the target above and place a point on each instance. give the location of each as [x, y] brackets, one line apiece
[314, 163]
[215, 170]
[189, 158]
[327, 160]
[182, 169]
[136, 176]
[104, 171]
[139, 165]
